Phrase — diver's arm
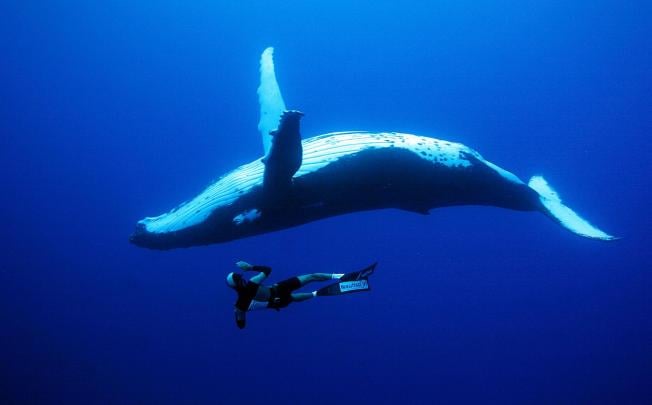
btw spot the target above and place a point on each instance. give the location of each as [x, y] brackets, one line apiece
[240, 318]
[264, 271]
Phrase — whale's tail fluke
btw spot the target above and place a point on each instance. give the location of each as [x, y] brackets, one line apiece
[555, 209]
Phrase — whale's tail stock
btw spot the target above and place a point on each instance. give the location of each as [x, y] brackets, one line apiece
[566, 217]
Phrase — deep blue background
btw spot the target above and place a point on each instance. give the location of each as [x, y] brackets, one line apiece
[112, 111]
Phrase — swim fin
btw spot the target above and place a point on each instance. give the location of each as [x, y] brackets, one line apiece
[357, 281]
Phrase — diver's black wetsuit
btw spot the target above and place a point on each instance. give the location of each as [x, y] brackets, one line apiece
[280, 294]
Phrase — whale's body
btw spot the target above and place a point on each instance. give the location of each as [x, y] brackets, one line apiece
[342, 172]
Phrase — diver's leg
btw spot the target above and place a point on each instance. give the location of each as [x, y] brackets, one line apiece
[309, 278]
[298, 297]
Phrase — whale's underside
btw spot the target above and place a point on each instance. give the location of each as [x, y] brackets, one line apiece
[302, 181]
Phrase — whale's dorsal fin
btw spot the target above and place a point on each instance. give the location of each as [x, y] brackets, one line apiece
[284, 156]
[269, 98]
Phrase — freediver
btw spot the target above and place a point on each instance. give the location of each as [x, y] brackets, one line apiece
[252, 294]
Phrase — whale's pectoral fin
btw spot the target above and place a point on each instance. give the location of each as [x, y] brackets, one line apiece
[269, 98]
[284, 156]
[280, 131]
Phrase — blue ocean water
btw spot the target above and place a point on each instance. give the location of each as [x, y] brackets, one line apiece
[113, 111]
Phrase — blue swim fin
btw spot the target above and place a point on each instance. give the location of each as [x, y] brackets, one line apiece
[357, 281]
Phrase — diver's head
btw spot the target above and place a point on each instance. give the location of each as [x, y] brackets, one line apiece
[234, 280]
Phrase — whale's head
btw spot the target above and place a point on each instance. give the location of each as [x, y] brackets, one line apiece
[220, 213]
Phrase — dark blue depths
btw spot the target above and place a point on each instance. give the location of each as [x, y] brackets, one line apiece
[111, 112]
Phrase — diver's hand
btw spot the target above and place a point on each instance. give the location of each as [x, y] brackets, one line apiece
[240, 318]
[244, 265]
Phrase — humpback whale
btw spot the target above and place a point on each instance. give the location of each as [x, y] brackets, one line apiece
[302, 180]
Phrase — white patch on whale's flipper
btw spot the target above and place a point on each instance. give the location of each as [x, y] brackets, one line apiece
[247, 216]
[562, 214]
[269, 98]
